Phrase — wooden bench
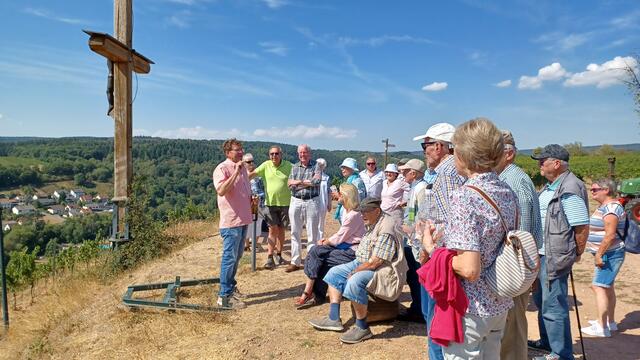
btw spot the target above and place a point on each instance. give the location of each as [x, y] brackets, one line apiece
[380, 310]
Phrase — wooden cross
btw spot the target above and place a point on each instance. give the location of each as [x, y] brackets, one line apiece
[120, 52]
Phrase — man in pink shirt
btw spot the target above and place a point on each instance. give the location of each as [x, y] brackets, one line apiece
[234, 204]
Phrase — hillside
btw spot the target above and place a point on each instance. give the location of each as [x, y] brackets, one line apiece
[91, 323]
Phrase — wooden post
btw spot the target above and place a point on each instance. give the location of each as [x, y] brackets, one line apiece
[125, 60]
[122, 110]
[386, 150]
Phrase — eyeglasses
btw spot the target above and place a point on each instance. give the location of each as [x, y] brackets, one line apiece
[371, 163]
[237, 150]
[542, 161]
[425, 144]
[596, 189]
[274, 154]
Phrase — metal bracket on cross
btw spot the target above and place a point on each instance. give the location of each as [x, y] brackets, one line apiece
[170, 300]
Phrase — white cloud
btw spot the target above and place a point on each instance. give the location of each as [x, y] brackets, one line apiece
[274, 4]
[435, 86]
[197, 132]
[381, 40]
[563, 42]
[274, 47]
[245, 54]
[181, 19]
[306, 132]
[627, 21]
[46, 14]
[551, 72]
[605, 75]
[503, 84]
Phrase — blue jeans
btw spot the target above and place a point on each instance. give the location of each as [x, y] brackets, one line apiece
[428, 310]
[352, 287]
[551, 298]
[232, 248]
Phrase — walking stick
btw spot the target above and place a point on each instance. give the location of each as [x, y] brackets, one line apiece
[575, 301]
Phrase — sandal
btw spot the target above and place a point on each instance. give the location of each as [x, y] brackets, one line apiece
[306, 300]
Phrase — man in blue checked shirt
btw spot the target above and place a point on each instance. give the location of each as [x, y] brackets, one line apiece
[514, 341]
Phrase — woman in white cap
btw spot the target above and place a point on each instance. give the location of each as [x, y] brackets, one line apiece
[393, 190]
[349, 170]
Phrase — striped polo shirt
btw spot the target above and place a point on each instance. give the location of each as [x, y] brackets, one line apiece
[596, 226]
[573, 206]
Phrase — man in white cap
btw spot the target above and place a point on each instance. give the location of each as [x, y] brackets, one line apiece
[372, 178]
[436, 143]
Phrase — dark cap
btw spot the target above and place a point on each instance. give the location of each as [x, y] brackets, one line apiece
[554, 151]
[368, 204]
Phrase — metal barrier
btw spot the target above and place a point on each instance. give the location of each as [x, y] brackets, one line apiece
[170, 300]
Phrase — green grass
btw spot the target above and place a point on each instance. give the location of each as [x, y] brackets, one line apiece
[19, 161]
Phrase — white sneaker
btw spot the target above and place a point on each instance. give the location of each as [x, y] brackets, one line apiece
[596, 330]
[613, 326]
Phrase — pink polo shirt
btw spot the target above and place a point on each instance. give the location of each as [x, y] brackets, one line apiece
[235, 206]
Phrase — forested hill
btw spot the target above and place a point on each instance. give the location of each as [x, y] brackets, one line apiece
[178, 171]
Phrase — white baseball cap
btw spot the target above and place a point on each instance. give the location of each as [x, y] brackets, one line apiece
[391, 168]
[439, 131]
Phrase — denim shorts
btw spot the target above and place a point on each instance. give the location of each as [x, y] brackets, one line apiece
[352, 287]
[605, 276]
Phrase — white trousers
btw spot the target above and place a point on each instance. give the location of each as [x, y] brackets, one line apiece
[299, 212]
[322, 216]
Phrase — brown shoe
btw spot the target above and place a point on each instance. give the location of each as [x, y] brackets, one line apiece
[292, 268]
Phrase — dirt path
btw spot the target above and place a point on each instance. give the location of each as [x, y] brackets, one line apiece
[270, 328]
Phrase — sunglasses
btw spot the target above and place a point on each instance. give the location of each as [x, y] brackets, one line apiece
[371, 163]
[596, 189]
[425, 144]
[249, 162]
[274, 154]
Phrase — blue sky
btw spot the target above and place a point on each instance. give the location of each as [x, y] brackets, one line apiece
[334, 74]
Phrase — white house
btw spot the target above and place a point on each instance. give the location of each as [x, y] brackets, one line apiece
[76, 193]
[23, 210]
[59, 194]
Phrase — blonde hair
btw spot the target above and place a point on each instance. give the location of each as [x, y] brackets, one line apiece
[350, 198]
[479, 144]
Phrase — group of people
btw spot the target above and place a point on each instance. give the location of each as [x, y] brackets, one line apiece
[436, 224]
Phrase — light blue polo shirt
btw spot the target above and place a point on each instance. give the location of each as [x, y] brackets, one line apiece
[573, 206]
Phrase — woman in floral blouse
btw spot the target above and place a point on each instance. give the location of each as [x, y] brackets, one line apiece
[474, 230]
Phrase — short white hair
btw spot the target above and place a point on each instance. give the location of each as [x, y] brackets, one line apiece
[322, 162]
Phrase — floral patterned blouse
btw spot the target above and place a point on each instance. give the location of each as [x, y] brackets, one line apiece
[474, 225]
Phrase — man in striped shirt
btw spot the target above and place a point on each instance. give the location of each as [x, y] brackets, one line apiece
[514, 341]
[565, 223]
[304, 183]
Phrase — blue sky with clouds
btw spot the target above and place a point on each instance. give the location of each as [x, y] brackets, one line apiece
[334, 74]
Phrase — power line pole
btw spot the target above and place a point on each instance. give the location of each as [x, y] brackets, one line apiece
[386, 150]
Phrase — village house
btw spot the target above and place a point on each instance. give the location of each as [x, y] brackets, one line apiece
[59, 194]
[23, 210]
[76, 193]
[8, 203]
[8, 225]
[56, 210]
[86, 198]
[45, 201]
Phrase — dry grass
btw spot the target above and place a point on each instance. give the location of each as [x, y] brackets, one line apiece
[93, 324]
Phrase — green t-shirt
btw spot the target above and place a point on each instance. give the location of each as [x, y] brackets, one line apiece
[275, 182]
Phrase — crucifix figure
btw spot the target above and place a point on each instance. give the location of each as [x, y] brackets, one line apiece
[120, 54]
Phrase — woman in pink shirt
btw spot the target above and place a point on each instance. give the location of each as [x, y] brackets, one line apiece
[336, 250]
[393, 190]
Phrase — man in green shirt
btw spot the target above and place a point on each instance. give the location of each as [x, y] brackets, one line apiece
[275, 173]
